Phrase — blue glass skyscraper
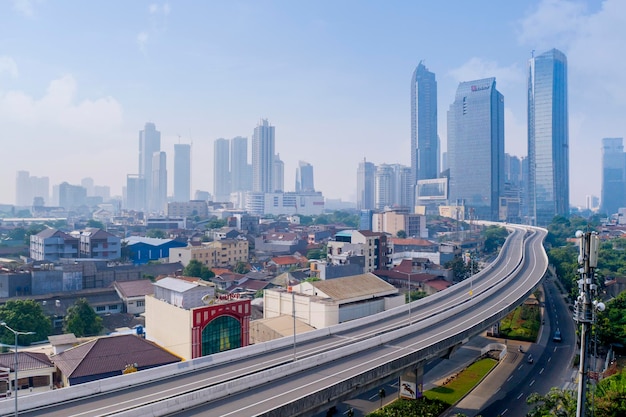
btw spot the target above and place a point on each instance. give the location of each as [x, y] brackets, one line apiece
[424, 139]
[548, 137]
[476, 148]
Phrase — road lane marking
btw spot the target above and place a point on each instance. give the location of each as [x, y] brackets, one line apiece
[504, 412]
[540, 372]
[531, 383]
[520, 395]
[510, 378]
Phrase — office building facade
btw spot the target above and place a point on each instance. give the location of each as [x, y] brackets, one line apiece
[476, 148]
[548, 137]
[424, 139]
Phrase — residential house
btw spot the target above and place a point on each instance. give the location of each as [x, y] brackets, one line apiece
[133, 294]
[105, 357]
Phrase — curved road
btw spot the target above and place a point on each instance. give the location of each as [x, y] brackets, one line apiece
[448, 314]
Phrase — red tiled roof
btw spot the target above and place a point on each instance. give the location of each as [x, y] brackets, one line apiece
[26, 360]
[287, 260]
[110, 354]
[438, 284]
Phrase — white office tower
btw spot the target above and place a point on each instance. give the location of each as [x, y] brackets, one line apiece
[159, 182]
[149, 143]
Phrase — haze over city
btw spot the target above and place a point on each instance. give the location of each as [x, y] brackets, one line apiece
[79, 80]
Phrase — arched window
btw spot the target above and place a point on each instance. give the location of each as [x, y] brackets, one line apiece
[221, 334]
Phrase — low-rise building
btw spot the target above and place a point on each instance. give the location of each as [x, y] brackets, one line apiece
[52, 245]
[142, 250]
[133, 294]
[220, 253]
[325, 303]
[189, 320]
[35, 371]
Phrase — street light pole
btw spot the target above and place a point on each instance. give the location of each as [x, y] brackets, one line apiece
[16, 333]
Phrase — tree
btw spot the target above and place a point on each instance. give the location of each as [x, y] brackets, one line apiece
[494, 238]
[156, 233]
[557, 402]
[401, 234]
[610, 396]
[24, 316]
[195, 269]
[216, 223]
[82, 320]
[95, 223]
[612, 322]
[241, 268]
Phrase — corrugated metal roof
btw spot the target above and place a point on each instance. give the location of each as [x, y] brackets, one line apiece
[152, 241]
[26, 360]
[175, 284]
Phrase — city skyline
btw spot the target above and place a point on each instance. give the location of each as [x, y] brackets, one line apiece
[68, 118]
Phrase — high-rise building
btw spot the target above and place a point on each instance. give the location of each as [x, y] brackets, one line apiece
[149, 143]
[548, 137]
[221, 170]
[476, 148]
[23, 194]
[613, 176]
[28, 188]
[240, 169]
[279, 175]
[71, 196]
[88, 184]
[366, 186]
[135, 191]
[393, 186]
[159, 182]
[304, 177]
[424, 139]
[263, 157]
[182, 172]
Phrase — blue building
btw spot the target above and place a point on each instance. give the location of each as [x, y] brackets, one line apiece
[476, 148]
[548, 137]
[424, 139]
[145, 249]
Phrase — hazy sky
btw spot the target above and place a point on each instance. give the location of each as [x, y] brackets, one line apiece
[79, 79]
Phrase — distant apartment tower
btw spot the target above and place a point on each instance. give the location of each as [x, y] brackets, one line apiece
[28, 188]
[71, 196]
[424, 139]
[240, 170]
[613, 176]
[88, 184]
[182, 172]
[476, 148]
[304, 177]
[149, 144]
[279, 175]
[135, 192]
[221, 169]
[548, 137]
[159, 182]
[366, 186]
[263, 157]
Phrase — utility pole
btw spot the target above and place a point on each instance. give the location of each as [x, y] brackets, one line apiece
[586, 307]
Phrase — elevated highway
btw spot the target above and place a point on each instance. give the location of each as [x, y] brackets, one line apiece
[332, 364]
